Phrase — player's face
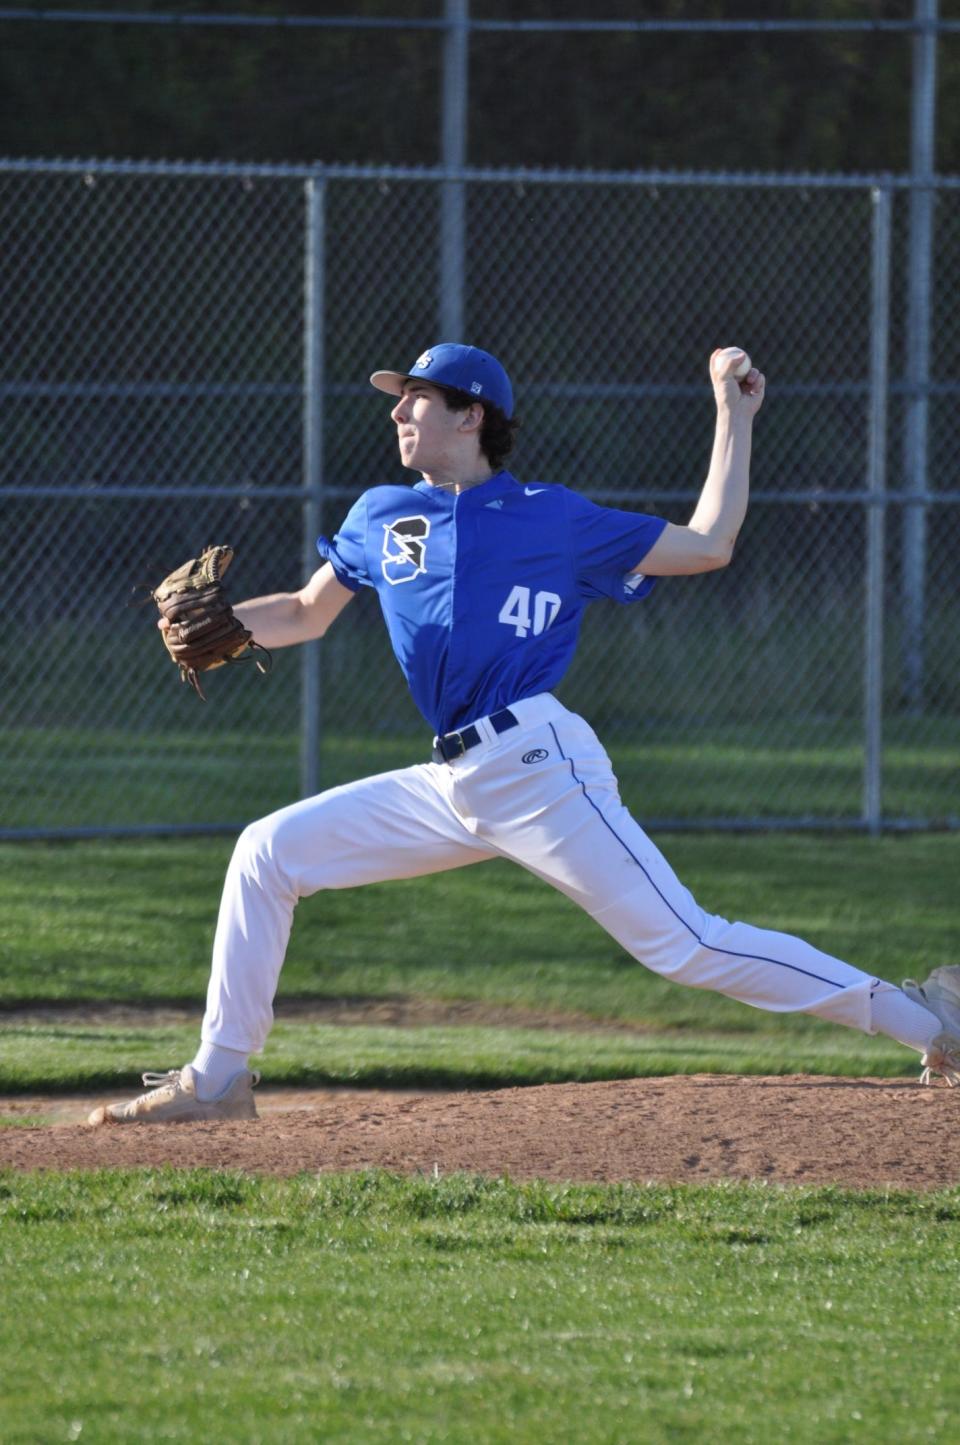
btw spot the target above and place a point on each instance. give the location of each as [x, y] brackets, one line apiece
[428, 432]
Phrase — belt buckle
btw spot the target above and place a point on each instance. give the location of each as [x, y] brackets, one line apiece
[443, 747]
[461, 746]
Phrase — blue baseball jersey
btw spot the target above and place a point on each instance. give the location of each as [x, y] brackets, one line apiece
[483, 592]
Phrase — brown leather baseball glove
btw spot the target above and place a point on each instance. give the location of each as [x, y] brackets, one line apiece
[203, 632]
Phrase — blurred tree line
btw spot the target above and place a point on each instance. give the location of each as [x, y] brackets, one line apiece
[816, 101]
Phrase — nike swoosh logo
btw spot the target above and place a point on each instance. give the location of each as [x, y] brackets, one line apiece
[532, 491]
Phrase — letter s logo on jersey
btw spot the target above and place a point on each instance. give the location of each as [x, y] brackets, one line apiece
[405, 549]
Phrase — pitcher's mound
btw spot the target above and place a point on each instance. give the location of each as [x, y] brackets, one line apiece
[795, 1130]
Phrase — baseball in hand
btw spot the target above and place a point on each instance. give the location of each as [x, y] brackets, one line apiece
[742, 367]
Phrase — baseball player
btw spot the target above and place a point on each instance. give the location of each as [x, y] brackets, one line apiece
[483, 581]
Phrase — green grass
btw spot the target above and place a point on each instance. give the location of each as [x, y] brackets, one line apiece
[809, 767]
[199, 1305]
[133, 922]
[65, 1057]
[186, 1306]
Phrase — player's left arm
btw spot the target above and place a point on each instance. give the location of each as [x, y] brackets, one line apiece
[706, 543]
[284, 619]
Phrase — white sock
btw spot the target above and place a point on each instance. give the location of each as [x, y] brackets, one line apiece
[894, 1014]
[214, 1067]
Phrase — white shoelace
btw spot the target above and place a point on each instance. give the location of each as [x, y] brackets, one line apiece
[940, 1061]
[159, 1081]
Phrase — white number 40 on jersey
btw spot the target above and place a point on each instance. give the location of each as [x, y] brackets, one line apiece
[515, 612]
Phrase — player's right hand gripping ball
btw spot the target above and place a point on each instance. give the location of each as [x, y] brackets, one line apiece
[734, 354]
[202, 631]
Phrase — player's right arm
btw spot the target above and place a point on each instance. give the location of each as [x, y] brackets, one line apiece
[286, 618]
[707, 541]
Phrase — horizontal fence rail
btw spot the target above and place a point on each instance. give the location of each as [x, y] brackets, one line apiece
[209, 18]
[186, 361]
[91, 169]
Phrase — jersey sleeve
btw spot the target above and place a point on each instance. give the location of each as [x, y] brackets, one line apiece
[346, 551]
[607, 544]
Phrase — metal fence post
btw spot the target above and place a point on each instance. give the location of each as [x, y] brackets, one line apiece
[876, 514]
[917, 360]
[454, 154]
[313, 379]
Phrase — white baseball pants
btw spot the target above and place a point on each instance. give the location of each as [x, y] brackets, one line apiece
[542, 794]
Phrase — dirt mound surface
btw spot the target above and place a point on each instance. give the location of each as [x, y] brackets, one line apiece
[794, 1130]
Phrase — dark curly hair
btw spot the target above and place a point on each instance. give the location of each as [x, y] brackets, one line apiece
[498, 430]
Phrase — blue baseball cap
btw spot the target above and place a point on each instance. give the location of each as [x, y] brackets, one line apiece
[466, 368]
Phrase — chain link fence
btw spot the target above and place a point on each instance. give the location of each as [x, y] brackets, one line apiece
[185, 361]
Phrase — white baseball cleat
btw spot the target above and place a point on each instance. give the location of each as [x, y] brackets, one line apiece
[172, 1099]
[940, 995]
